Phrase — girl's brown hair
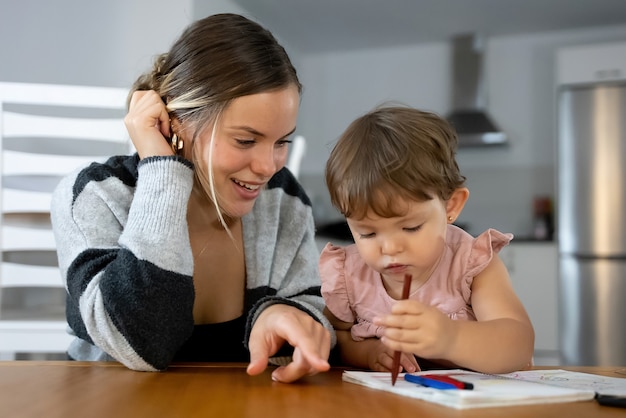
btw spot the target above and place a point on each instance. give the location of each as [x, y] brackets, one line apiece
[390, 152]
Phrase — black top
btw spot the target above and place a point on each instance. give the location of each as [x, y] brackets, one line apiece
[221, 342]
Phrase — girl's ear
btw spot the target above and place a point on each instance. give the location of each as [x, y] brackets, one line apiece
[455, 204]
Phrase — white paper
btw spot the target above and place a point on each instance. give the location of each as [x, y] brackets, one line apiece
[489, 390]
[614, 386]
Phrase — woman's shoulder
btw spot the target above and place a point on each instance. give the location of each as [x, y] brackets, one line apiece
[122, 167]
[285, 181]
[122, 171]
[284, 202]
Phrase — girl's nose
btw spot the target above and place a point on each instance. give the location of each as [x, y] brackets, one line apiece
[390, 246]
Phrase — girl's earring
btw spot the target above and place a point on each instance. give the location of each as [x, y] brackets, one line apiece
[450, 218]
[177, 144]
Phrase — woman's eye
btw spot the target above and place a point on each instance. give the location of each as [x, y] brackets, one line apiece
[283, 143]
[245, 142]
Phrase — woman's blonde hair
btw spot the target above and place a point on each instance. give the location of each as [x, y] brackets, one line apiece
[215, 60]
[389, 152]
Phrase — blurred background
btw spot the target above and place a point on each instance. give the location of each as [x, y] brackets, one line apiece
[353, 55]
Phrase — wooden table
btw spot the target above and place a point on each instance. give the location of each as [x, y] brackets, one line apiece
[85, 389]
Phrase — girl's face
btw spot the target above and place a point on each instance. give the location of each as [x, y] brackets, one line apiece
[409, 244]
[250, 146]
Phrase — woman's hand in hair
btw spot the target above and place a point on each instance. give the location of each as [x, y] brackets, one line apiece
[148, 124]
[280, 324]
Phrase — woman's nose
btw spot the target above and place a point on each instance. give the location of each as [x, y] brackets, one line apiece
[265, 163]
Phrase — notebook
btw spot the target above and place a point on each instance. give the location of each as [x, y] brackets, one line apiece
[519, 388]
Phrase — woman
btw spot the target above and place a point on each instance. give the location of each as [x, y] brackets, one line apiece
[200, 247]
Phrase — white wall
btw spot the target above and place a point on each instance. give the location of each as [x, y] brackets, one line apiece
[107, 43]
[203, 8]
[520, 85]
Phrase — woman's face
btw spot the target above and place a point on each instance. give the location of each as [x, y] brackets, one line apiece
[250, 146]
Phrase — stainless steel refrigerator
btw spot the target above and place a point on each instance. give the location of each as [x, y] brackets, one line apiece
[591, 224]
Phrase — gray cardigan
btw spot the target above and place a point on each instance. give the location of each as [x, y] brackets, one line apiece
[124, 253]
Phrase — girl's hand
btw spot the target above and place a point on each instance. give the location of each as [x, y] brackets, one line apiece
[419, 329]
[281, 323]
[148, 124]
[380, 358]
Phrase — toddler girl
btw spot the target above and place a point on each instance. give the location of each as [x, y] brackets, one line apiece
[394, 176]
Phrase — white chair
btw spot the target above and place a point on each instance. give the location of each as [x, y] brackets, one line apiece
[298, 147]
[46, 131]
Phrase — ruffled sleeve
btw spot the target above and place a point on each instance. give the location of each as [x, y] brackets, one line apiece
[484, 247]
[334, 287]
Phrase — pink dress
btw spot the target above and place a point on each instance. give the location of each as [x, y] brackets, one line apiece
[354, 292]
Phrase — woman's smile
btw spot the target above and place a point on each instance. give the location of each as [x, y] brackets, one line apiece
[247, 190]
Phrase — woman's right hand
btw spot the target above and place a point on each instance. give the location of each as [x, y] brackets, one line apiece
[279, 324]
[148, 124]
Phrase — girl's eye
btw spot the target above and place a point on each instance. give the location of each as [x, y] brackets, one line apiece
[413, 229]
[365, 236]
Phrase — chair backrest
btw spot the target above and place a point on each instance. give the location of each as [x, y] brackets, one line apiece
[298, 147]
[47, 131]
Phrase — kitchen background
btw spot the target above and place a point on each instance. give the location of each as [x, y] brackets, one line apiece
[110, 43]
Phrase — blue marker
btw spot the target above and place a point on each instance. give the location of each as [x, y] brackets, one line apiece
[431, 383]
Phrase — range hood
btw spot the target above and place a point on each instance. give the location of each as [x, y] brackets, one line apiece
[469, 116]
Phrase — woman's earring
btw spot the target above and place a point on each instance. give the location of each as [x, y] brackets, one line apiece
[177, 144]
[450, 218]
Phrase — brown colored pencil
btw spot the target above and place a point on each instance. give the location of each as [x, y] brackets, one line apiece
[406, 288]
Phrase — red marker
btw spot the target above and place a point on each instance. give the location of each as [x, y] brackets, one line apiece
[448, 379]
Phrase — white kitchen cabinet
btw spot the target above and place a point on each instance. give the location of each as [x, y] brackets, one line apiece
[533, 267]
[591, 63]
